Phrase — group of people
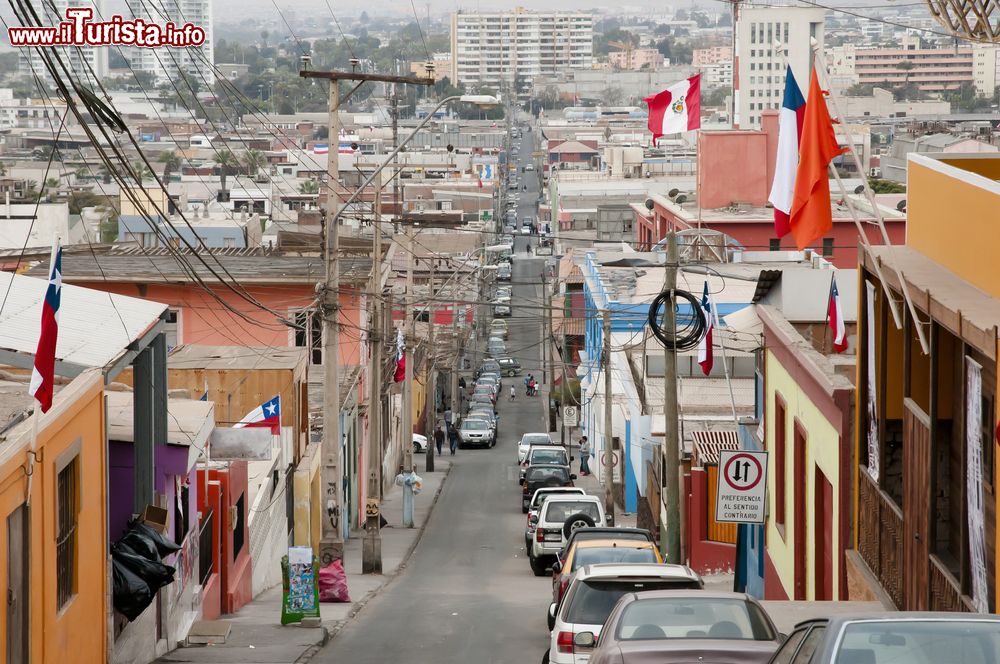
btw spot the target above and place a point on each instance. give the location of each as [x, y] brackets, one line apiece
[452, 435]
[530, 386]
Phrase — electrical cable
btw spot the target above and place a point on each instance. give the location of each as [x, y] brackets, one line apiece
[689, 334]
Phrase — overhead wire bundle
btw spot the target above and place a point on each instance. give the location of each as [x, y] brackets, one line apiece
[687, 331]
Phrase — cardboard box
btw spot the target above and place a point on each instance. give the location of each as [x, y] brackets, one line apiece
[155, 517]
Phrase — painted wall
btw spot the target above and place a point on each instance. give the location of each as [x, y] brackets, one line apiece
[934, 187]
[723, 172]
[308, 497]
[75, 426]
[822, 450]
[203, 320]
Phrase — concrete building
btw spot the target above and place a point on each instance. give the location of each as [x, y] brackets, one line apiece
[636, 59]
[894, 164]
[759, 79]
[882, 104]
[87, 61]
[166, 63]
[985, 59]
[583, 85]
[442, 66]
[718, 75]
[715, 55]
[512, 47]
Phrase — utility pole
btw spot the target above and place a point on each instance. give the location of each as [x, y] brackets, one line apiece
[455, 366]
[609, 488]
[331, 545]
[408, 342]
[371, 551]
[546, 333]
[431, 400]
[563, 432]
[670, 536]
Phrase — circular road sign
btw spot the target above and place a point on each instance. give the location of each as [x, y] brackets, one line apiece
[742, 472]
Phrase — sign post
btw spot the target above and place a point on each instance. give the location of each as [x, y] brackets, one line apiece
[570, 414]
[742, 487]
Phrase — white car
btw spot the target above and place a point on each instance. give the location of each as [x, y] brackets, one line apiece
[539, 497]
[560, 516]
[419, 443]
[529, 439]
[525, 230]
[592, 594]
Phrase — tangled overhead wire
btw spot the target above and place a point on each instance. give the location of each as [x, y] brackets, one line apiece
[688, 329]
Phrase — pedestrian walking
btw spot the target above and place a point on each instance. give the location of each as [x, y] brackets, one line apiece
[452, 440]
[532, 386]
[584, 456]
[439, 439]
[513, 393]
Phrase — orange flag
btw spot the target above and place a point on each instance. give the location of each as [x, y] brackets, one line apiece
[810, 217]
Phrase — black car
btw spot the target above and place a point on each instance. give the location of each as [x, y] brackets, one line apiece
[543, 475]
[509, 366]
[581, 534]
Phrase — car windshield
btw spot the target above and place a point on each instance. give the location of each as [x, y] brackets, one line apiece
[920, 642]
[548, 456]
[542, 474]
[482, 414]
[542, 495]
[535, 439]
[475, 425]
[693, 618]
[590, 602]
[613, 554]
[559, 511]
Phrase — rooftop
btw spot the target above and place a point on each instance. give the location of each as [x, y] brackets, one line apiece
[192, 356]
[189, 421]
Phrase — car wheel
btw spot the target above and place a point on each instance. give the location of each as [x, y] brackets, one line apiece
[545, 657]
[550, 620]
[524, 508]
[537, 566]
[416, 448]
[510, 373]
[579, 520]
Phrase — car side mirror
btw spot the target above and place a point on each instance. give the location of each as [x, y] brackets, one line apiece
[552, 610]
[608, 519]
[584, 640]
[572, 476]
[556, 567]
[782, 637]
[520, 481]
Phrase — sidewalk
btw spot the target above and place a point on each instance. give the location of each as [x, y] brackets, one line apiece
[257, 635]
[592, 484]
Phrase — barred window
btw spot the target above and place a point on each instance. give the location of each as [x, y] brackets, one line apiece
[68, 507]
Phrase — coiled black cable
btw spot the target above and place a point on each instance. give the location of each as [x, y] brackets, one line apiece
[686, 336]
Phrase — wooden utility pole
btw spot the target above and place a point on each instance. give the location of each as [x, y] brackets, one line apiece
[670, 538]
[408, 341]
[455, 366]
[609, 458]
[371, 551]
[546, 333]
[331, 545]
[431, 400]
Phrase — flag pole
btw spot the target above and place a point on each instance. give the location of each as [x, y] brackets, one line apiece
[725, 362]
[37, 411]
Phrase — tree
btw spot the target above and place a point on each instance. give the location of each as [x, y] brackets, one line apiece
[254, 160]
[309, 187]
[142, 171]
[601, 41]
[714, 97]
[31, 191]
[880, 186]
[51, 187]
[227, 161]
[612, 96]
[860, 90]
[171, 162]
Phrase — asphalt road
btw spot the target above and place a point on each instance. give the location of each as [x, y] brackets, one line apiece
[467, 595]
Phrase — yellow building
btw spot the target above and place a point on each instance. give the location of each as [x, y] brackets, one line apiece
[53, 545]
[927, 395]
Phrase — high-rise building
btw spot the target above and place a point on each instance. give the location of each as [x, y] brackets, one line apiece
[768, 38]
[87, 63]
[164, 63]
[497, 48]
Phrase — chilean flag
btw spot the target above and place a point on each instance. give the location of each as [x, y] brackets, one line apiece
[676, 109]
[43, 373]
[793, 113]
[400, 357]
[268, 414]
[835, 317]
[705, 345]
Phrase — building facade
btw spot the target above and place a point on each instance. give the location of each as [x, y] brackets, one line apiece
[716, 55]
[759, 76]
[636, 59]
[511, 48]
[87, 61]
[197, 63]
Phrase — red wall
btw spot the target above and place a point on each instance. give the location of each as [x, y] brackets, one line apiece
[732, 168]
[235, 574]
[704, 556]
[212, 592]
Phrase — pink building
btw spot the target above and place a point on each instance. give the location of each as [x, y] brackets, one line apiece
[636, 59]
[705, 57]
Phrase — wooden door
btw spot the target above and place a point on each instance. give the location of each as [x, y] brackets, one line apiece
[799, 519]
[823, 538]
[17, 586]
[916, 506]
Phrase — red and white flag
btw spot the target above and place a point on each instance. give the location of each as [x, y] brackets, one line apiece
[705, 345]
[835, 317]
[43, 373]
[400, 357]
[268, 414]
[790, 119]
[676, 109]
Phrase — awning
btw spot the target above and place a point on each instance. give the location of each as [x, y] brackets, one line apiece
[708, 445]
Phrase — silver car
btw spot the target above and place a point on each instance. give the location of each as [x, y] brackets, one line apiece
[475, 432]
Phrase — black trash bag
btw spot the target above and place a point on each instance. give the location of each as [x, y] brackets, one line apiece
[140, 544]
[153, 572]
[131, 595]
[163, 544]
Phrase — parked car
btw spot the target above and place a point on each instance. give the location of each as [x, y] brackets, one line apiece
[475, 432]
[956, 638]
[489, 365]
[525, 230]
[600, 532]
[544, 475]
[593, 592]
[596, 551]
[537, 498]
[560, 516]
[504, 272]
[493, 376]
[480, 413]
[674, 626]
[529, 439]
[485, 390]
[501, 308]
[419, 443]
[503, 292]
[509, 366]
[545, 454]
[499, 326]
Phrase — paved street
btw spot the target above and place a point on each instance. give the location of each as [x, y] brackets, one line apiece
[467, 594]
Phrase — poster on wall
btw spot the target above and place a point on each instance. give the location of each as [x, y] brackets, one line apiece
[300, 596]
[974, 483]
[874, 449]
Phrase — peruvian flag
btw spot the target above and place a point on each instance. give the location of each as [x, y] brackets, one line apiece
[705, 345]
[43, 373]
[268, 414]
[676, 109]
[835, 317]
[793, 113]
[400, 357]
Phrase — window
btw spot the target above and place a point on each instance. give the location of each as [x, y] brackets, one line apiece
[775, 244]
[182, 514]
[809, 645]
[68, 512]
[308, 332]
[828, 246]
[779, 460]
[170, 328]
[229, 242]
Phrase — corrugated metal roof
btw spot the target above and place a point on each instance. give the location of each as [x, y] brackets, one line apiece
[94, 327]
[708, 444]
[194, 356]
[189, 421]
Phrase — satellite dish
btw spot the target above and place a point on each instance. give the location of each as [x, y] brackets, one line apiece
[680, 199]
[649, 203]
[673, 192]
[860, 189]
[901, 206]
[450, 147]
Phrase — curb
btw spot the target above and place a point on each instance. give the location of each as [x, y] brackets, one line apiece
[329, 634]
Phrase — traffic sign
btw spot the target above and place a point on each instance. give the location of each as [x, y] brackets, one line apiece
[616, 466]
[742, 487]
[570, 415]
